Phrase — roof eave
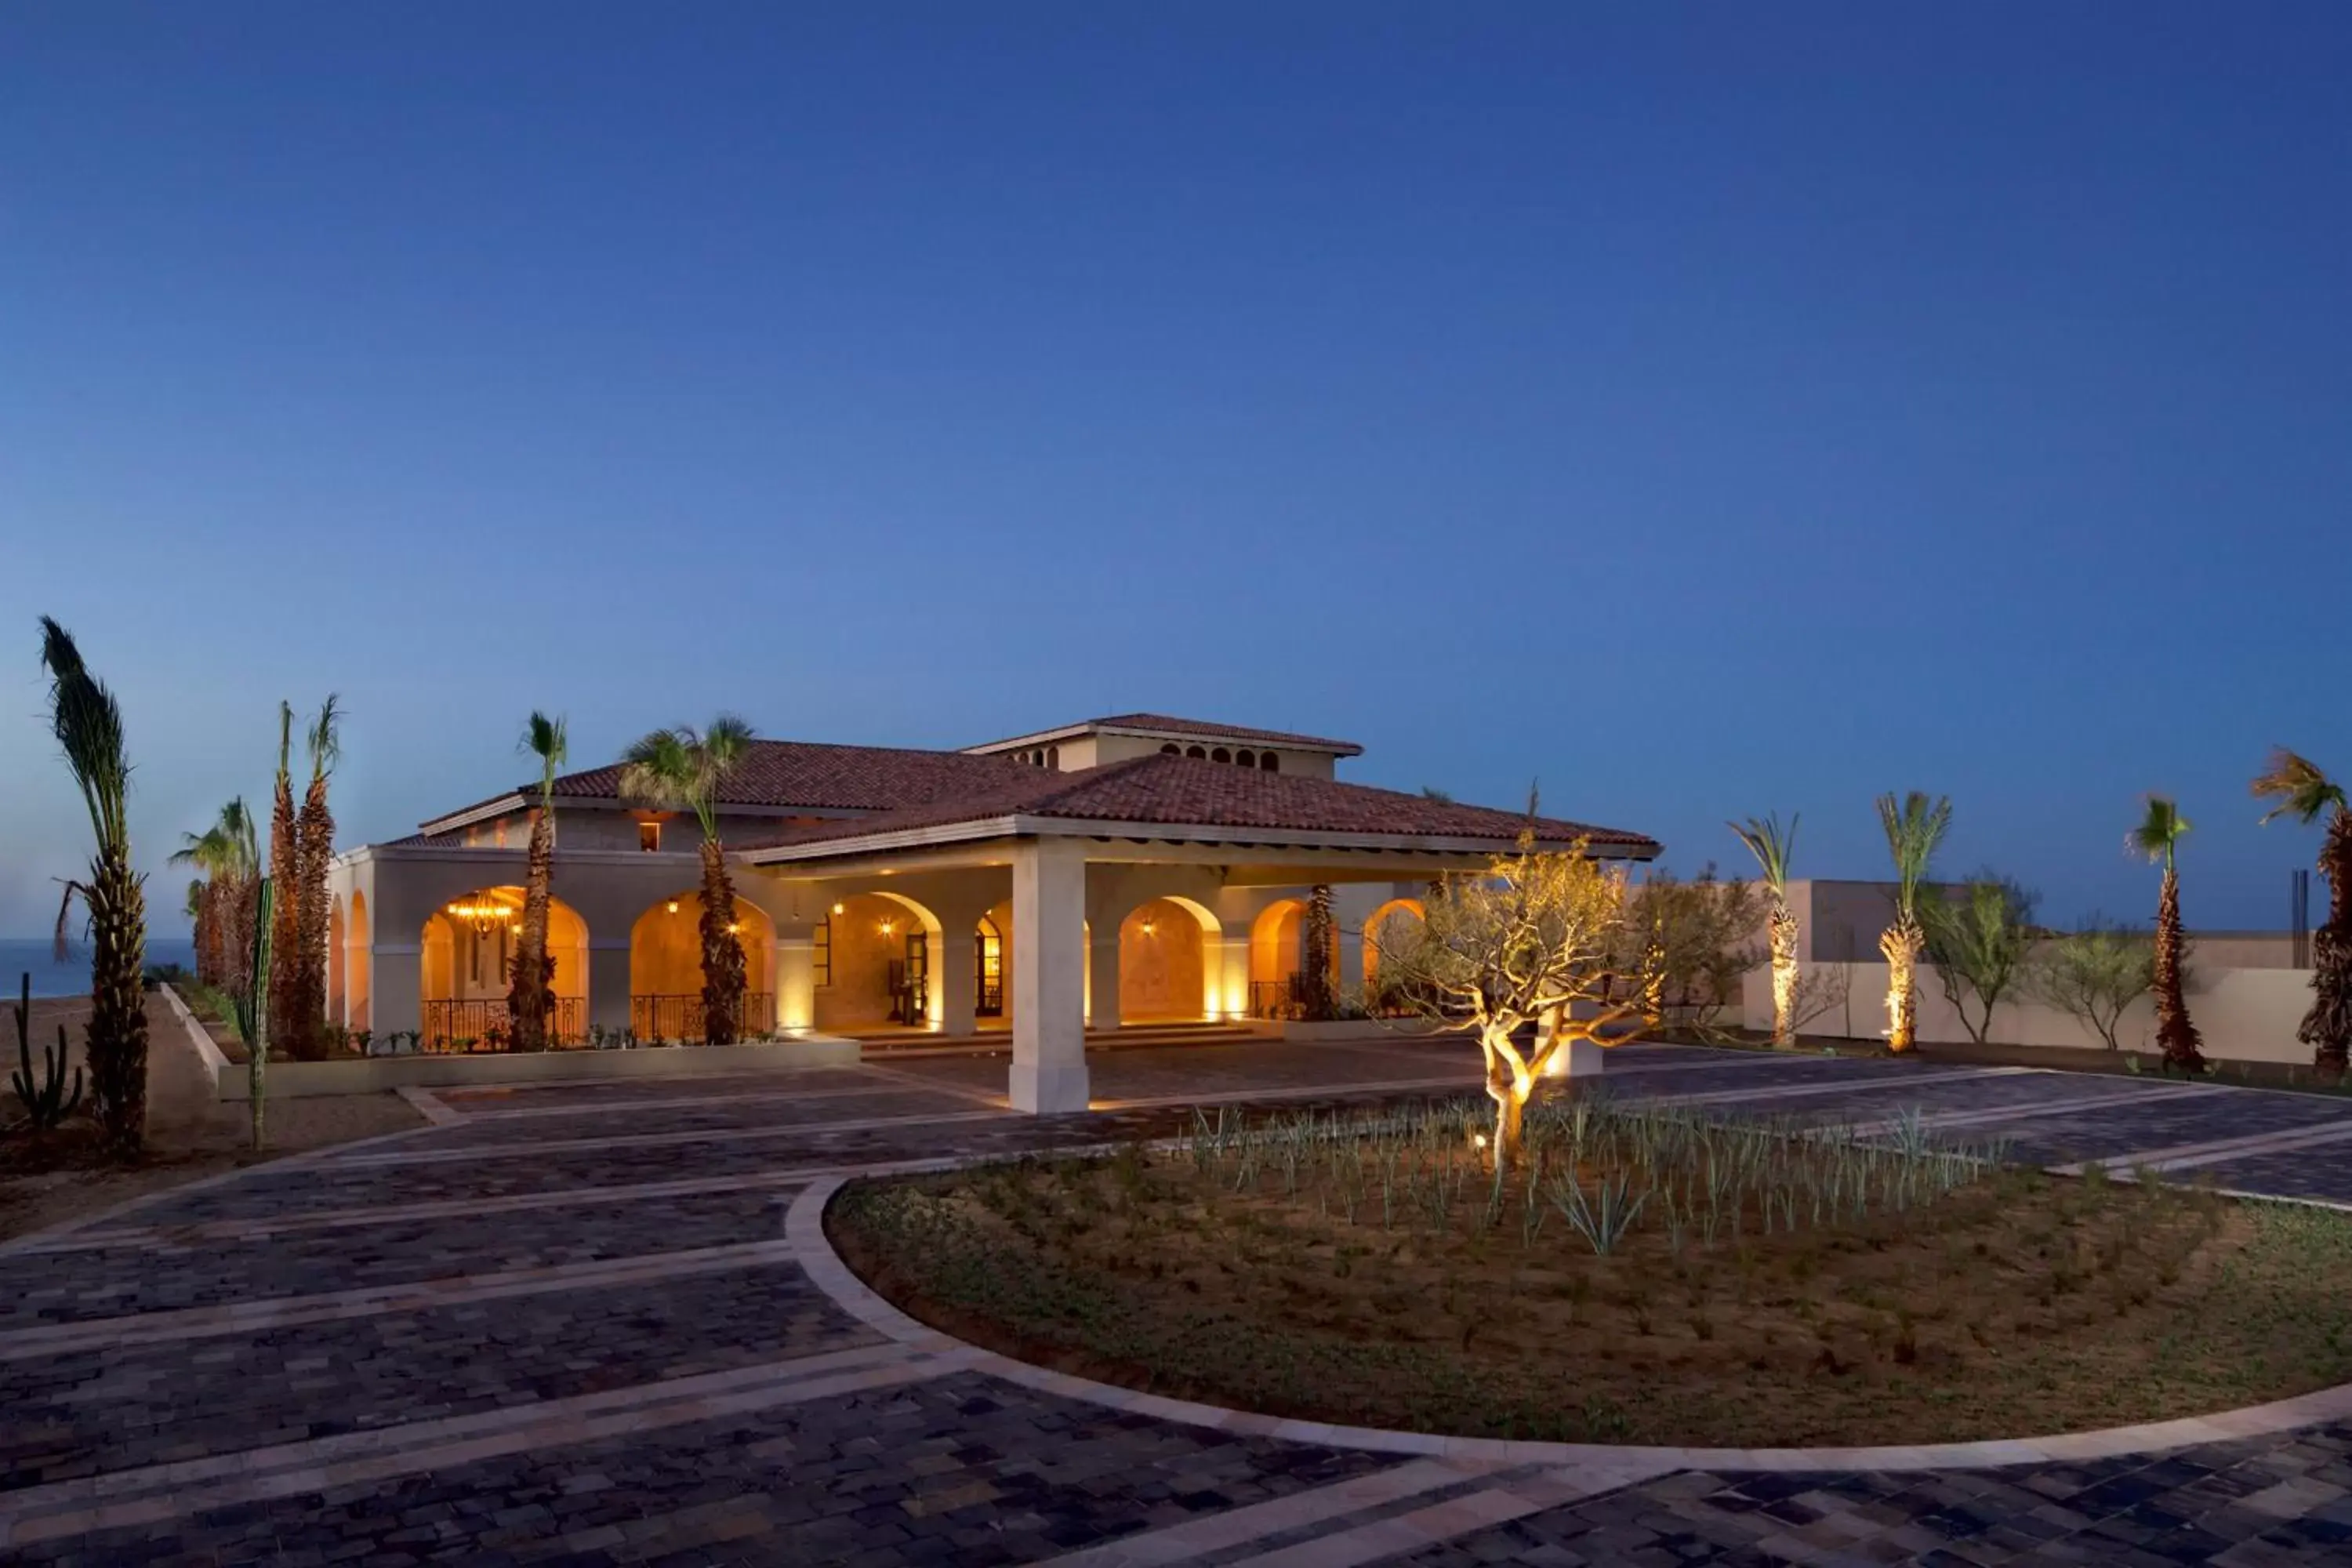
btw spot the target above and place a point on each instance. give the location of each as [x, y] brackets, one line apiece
[1020, 825]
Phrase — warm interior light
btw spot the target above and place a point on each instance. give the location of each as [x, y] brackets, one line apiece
[839, 910]
[734, 928]
[673, 906]
[1148, 928]
[889, 928]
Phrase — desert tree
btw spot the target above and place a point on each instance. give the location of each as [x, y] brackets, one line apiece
[2157, 836]
[88, 725]
[530, 999]
[1914, 826]
[1532, 942]
[1696, 943]
[2093, 974]
[1979, 943]
[1773, 846]
[314, 853]
[682, 769]
[2300, 791]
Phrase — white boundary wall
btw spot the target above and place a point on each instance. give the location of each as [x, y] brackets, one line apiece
[2246, 1015]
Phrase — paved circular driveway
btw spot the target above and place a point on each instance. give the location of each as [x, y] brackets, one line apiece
[568, 1325]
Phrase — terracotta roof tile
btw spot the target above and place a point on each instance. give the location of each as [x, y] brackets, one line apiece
[1189, 792]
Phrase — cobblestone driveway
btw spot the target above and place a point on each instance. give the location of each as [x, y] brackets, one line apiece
[568, 1327]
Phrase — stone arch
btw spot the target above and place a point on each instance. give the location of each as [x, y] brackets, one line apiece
[1245, 757]
[665, 968]
[868, 935]
[1169, 952]
[1268, 761]
[1380, 920]
[1199, 752]
[359, 966]
[1276, 938]
[1221, 755]
[465, 948]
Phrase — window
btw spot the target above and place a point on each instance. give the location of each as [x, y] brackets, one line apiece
[1196, 751]
[1221, 755]
[821, 952]
[1270, 763]
[1171, 750]
[499, 834]
[649, 836]
[1053, 758]
[1245, 759]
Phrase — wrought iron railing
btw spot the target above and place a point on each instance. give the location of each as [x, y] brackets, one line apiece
[1283, 998]
[679, 1017]
[481, 1024]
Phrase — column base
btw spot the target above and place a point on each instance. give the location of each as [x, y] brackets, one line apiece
[1048, 1090]
[1578, 1059]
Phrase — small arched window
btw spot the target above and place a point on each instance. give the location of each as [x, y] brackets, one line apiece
[1053, 758]
[1245, 759]
[1221, 755]
[1270, 762]
[1171, 750]
[1196, 751]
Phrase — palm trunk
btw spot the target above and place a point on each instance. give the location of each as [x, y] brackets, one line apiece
[315, 847]
[1783, 932]
[530, 998]
[2327, 1028]
[205, 936]
[722, 954]
[1316, 998]
[2174, 1031]
[116, 1044]
[238, 896]
[1901, 943]
[286, 1012]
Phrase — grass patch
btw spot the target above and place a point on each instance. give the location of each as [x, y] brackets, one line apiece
[1647, 1277]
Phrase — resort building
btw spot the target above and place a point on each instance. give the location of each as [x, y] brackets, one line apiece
[1119, 872]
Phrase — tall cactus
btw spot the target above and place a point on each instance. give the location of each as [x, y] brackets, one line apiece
[47, 1105]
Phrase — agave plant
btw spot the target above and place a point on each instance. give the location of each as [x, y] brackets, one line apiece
[2303, 792]
[681, 770]
[1913, 826]
[2157, 836]
[88, 729]
[530, 998]
[1772, 846]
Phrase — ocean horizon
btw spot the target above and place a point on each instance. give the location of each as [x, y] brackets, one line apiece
[36, 956]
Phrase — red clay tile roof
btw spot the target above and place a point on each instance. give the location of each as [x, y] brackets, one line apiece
[821, 777]
[1189, 792]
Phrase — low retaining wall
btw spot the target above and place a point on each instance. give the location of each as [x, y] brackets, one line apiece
[370, 1075]
[2246, 1015]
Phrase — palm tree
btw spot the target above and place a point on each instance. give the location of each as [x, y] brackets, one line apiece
[530, 998]
[1772, 846]
[282, 1017]
[1913, 827]
[2303, 791]
[89, 727]
[2157, 836]
[679, 770]
[314, 848]
[230, 859]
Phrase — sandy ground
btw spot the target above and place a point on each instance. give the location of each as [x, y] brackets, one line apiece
[189, 1134]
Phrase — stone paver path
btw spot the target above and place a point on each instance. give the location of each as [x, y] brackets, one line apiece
[568, 1325]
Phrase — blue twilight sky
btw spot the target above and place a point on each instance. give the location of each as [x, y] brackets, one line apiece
[1708, 408]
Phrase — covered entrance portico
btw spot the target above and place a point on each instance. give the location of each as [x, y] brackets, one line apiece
[1069, 907]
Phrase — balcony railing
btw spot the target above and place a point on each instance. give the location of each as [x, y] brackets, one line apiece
[481, 1024]
[679, 1017]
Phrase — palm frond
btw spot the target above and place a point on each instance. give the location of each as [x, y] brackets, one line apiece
[1913, 826]
[87, 724]
[548, 740]
[2158, 830]
[326, 743]
[725, 741]
[2299, 788]
[1772, 845]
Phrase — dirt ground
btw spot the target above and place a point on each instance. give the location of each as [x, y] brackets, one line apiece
[49, 1178]
[2024, 1304]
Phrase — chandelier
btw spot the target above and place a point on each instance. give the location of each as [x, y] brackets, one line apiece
[483, 912]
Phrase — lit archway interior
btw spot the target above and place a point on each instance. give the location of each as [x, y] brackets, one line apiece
[336, 939]
[1276, 936]
[665, 968]
[1163, 968]
[359, 966]
[1389, 925]
[468, 948]
[883, 969]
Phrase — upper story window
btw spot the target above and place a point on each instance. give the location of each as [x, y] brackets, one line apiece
[649, 835]
[821, 952]
[499, 833]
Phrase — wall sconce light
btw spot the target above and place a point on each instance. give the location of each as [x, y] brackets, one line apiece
[889, 928]
[673, 906]
[734, 928]
[839, 910]
[1148, 928]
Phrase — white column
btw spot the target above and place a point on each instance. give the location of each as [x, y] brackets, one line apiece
[608, 982]
[954, 968]
[795, 978]
[1228, 983]
[1102, 975]
[1351, 961]
[1049, 1042]
[393, 976]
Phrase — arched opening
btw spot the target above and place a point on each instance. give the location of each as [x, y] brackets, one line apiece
[358, 967]
[666, 970]
[1391, 925]
[1221, 755]
[464, 968]
[988, 970]
[1268, 763]
[1245, 757]
[1199, 752]
[1171, 750]
[1167, 952]
[1277, 941]
[336, 939]
[882, 947]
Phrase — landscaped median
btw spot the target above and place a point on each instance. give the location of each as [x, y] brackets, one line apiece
[1644, 1276]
